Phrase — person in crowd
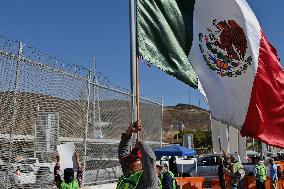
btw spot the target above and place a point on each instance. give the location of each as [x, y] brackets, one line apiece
[166, 167]
[236, 173]
[273, 174]
[173, 166]
[69, 181]
[226, 164]
[221, 174]
[138, 165]
[227, 160]
[166, 178]
[279, 173]
[260, 173]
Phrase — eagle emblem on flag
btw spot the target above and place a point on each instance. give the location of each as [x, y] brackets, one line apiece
[224, 48]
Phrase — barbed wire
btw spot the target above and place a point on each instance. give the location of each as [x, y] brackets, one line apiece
[37, 55]
[8, 45]
[34, 54]
[31, 53]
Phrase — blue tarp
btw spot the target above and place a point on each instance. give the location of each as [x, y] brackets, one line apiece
[174, 150]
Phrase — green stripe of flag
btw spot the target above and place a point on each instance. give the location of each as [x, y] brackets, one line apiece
[164, 36]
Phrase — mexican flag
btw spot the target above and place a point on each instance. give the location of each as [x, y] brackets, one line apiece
[218, 46]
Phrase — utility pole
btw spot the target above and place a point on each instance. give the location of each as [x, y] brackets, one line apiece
[172, 133]
[189, 97]
[96, 103]
[162, 118]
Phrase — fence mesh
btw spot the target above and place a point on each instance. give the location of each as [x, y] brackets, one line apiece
[46, 102]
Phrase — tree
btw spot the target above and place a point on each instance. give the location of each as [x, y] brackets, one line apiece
[200, 138]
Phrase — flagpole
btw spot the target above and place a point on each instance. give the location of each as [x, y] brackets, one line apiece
[137, 97]
[133, 66]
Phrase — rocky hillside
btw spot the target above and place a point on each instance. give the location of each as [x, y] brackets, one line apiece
[192, 117]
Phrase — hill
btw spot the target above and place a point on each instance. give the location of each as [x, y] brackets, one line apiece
[192, 117]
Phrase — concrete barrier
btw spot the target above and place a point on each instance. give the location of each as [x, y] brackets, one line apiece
[190, 182]
[215, 184]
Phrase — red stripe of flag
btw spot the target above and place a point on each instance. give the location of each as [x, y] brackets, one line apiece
[265, 116]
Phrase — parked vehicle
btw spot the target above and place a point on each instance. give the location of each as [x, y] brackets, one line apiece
[25, 174]
[179, 160]
[17, 176]
[207, 167]
[35, 164]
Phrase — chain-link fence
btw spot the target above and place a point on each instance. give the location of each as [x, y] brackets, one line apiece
[45, 102]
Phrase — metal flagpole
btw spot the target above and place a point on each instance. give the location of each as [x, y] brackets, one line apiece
[137, 97]
[134, 86]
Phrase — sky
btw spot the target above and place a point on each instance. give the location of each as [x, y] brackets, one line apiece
[77, 31]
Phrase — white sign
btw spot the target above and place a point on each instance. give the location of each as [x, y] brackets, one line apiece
[67, 157]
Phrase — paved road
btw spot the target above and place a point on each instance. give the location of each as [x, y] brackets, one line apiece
[103, 186]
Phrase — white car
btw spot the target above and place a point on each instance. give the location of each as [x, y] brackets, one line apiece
[179, 160]
[25, 174]
[185, 160]
[35, 165]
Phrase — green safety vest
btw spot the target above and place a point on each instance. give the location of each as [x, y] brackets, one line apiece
[238, 173]
[160, 183]
[261, 172]
[173, 179]
[129, 182]
[72, 185]
[238, 166]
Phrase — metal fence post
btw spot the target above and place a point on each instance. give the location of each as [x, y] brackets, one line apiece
[94, 95]
[87, 124]
[162, 117]
[16, 83]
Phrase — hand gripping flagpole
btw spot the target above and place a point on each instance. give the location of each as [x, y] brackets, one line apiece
[133, 66]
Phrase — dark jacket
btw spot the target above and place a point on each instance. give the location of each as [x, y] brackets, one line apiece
[173, 166]
[168, 181]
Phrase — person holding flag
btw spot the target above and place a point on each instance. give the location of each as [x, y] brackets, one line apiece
[138, 165]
